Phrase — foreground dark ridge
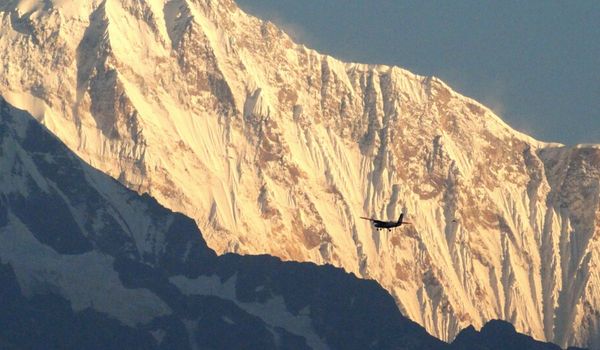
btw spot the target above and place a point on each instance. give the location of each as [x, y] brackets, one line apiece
[87, 263]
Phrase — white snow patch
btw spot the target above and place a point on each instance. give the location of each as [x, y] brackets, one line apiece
[227, 319]
[159, 335]
[86, 280]
[273, 312]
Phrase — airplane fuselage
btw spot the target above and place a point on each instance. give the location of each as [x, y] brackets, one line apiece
[379, 224]
[386, 224]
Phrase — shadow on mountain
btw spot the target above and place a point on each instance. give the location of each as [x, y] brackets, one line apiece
[74, 243]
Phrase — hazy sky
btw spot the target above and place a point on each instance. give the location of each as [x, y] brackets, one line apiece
[536, 63]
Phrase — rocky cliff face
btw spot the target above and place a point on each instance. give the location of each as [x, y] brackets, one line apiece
[274, 148]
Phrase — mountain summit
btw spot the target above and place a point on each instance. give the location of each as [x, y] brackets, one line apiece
[274, 148]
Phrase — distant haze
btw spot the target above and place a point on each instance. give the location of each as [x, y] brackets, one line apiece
[535, 63]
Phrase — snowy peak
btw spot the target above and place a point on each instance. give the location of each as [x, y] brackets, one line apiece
[274, 148]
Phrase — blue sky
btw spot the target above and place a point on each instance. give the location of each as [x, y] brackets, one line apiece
[536, 63]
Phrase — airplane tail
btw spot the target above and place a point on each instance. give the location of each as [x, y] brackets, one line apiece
[400, 218]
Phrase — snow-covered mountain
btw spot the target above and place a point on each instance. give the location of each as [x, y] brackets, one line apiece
[274, 148]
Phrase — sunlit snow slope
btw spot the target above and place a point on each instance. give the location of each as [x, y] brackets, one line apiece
[274, 148]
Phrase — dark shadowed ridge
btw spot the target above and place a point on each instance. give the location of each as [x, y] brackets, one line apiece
[498, 335]
[73, 210]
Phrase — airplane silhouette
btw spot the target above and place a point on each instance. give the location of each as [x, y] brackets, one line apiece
[379, 224]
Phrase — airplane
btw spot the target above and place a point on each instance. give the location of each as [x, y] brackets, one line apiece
[387, 224]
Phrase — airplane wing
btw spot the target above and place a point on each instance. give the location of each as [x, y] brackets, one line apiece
[372, 220]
